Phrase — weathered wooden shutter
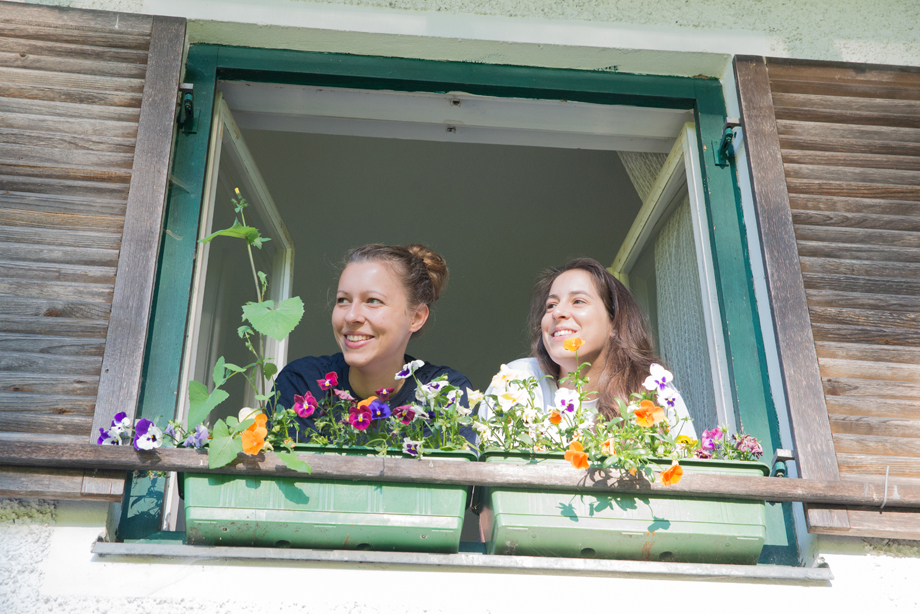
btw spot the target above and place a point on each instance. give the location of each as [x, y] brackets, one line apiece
[834, 154]
[87, 106]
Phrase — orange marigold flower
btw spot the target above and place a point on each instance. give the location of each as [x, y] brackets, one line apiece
[555, 417]
[648, 414]
[572, 344]
[671, 475]
[608, 447]
[254, 436]
[575, 455]
[366, 402]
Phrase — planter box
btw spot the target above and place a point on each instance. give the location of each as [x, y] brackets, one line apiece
[298, 512]
[615, 526]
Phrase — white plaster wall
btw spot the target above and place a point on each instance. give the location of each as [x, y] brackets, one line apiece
[46, 567]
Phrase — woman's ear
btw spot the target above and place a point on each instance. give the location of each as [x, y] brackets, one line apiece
[419, 318]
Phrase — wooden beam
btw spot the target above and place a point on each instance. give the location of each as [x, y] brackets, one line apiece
[814, 445]
[430, 470]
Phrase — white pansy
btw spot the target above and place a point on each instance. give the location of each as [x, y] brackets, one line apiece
[474, 397]
[247, 412]
[410, 368]
[566, 400]
[153, 438]
[659, 378]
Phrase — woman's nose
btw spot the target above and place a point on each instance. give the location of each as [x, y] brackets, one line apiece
[560, 312]
[354, 313]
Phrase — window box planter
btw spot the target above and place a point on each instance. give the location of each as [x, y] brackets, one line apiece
[307, 513]
[619, 526]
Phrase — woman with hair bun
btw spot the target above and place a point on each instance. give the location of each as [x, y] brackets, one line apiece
[383, 299]
[582, 299]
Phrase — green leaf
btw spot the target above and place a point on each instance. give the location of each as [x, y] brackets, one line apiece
[219, 374]
[243, 330]
[201, 403]
[250, 234]
[262, 397]
[275, 322]
[258, 241]
[223, 448]
[242, 426]
[293, 462]
[234, 368]
[269, 369]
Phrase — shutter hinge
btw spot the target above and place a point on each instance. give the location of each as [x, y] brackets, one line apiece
[730, 143]
[778, 466]
[188, 115]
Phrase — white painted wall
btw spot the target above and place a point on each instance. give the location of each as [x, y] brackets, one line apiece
[46, 567]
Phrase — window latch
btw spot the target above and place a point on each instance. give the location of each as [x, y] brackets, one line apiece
[188, 114]
[778, 466]
[731, 141]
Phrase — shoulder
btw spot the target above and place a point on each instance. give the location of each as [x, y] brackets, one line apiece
[314, 366]
[530, 365]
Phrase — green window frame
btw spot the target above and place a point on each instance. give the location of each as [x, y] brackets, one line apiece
[207, 64]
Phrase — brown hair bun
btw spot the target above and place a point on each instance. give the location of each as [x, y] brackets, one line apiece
[437, 268]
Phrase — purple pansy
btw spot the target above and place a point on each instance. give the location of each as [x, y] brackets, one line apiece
[197, 438]
[359, 418]
[384, 393]
[108, 438]
[147, 435]
[379, 409]
[305, 405]
[747, 443]
[412, 448]
[329, 381]
[409, 368]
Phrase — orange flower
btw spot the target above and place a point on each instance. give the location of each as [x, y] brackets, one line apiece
[648, 414]
[575, 455]
[671, 475]
[608, 447]
[555, 417]
[254, 436]
[572, 344]
[366, 402]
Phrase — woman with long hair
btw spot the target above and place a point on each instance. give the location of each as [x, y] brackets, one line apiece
[582, 299]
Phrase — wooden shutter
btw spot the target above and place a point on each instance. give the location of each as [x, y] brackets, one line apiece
[834, 154]
[87, 106]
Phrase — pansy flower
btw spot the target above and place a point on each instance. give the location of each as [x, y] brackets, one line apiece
[555, 417]
[329, 381]
[147, 435]
[379, 409]
[409, 368]
[170, 430]
[384, 393]
[343, 395]
[305, 405]
[659, 378]
[672, 475]
[474, 397]
[668, 397]
[120, 423]
[427, 392]
[710, 438]
[572, 344]
[648, 414]
[576, 455]
[747, 443]
[359, 417]
[412, 448]
[108, 438]
[196, 438]
[254, 436]
[608, 447]
[566, 399]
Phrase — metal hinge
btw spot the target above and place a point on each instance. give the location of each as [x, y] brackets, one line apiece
[731, 141]
[188, 115]
[778, 466]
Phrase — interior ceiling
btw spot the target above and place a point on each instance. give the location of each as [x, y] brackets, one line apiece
[499, 214]
[453, 117]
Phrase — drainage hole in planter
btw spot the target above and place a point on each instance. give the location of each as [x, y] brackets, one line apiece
[588, 553]
[282, 543]
[666, 556]
[224, 529]
[363, 547]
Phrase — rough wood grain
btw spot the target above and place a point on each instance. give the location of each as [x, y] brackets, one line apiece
[864, 317]
[851, 174]
[67, 125]
[88, 142]
[49, 383]
[874, 353]
[48, 203]
[853, 190]
[851, 160]
[843, 72]
[866, 334]
[876, 445]
[100, 293]
[861, 369]
[877, 427]
[67, 50]
[76, 19]
[63, 79]
[62, 238]
[866, 220]
[836, 116]
[897, 466]
[34, 362]
[849, 90]
[24, 154]
[801, 378]
[831, 298]
[65, 172]
[812, 130]
[854, 387]
[57, 326]
[817, 202]
[46, 344]
[39, 185]
[63, 221]
[57, 272]
[830, 249]
[47, 484]
[61, 94]
[860, 268]
[54, 308]
[858, 236]
[880, 408]
[119, 383]
[845, 145]
[868, 285]
[72, 65]
[889, 524]
[92, 38]
[841, 103]
[68, 109]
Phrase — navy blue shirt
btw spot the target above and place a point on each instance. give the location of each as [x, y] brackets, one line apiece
[302, 375]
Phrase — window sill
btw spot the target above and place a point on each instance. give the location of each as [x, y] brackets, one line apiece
[476, 562]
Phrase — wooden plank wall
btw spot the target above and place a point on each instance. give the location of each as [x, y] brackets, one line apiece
[71, 85]
[850, 142]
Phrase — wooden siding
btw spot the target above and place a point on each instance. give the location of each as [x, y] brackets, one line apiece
[72, 87]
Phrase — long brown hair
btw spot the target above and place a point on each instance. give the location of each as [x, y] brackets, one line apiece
[629, 350]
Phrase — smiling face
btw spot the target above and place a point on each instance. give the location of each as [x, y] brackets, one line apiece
[372, 319]
[575, 309]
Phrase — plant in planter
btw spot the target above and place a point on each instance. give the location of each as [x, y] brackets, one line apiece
[642, 443]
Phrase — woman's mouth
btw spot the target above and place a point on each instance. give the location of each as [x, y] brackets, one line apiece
[354, 341]
[562, 333]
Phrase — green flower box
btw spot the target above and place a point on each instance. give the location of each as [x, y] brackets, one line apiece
[619, 526]
[223, 510]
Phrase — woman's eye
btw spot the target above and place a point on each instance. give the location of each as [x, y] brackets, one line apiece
[375, 301]
[549, 306]
[341, 301]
